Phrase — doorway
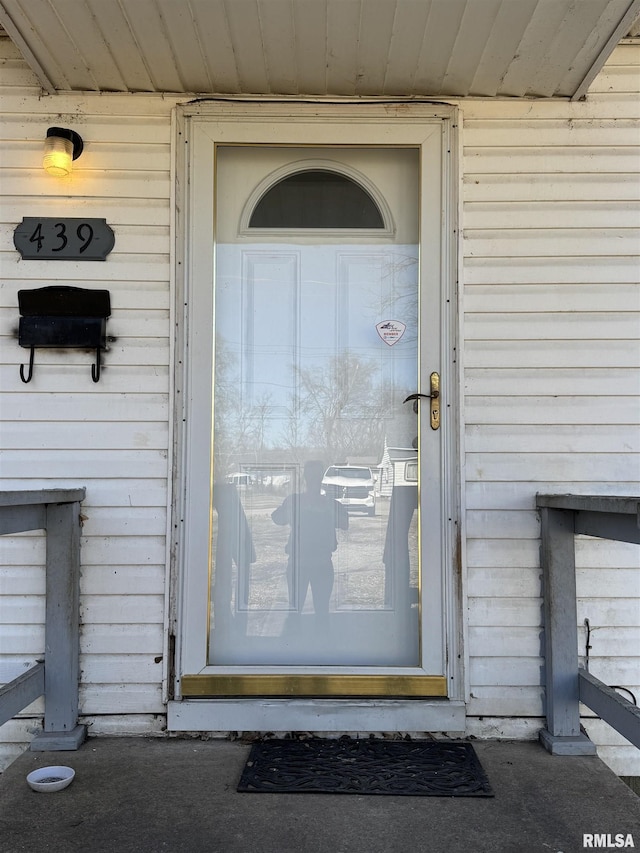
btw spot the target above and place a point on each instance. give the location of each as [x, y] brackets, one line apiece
[316, 517]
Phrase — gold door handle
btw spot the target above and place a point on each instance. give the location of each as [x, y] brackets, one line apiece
[433, 396]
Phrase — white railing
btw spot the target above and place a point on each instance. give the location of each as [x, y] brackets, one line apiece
[567, 684]
[57, 512]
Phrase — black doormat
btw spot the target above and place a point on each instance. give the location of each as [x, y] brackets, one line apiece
[347, 766]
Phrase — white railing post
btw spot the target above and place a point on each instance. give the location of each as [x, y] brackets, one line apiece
[562, 735]
[61, 663]
[562, 517]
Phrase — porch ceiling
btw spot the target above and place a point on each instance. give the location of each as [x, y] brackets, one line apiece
[432, 48]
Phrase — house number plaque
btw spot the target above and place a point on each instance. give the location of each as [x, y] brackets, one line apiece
[51, 238]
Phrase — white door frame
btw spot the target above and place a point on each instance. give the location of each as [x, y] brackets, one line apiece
[337, 123]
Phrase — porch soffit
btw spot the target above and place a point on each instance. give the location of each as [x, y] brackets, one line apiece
[395, 48]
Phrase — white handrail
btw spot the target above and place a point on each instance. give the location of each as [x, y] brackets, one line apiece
[57, 511]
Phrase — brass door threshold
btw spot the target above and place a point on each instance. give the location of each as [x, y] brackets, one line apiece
[336, 686]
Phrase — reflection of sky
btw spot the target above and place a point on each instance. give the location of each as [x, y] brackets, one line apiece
[287, 309]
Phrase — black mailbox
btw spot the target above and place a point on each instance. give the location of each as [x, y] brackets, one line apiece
[60, 316]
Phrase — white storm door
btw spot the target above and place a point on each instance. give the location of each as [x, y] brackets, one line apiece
[313, 552]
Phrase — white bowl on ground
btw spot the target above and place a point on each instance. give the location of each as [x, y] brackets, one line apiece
[50, 778]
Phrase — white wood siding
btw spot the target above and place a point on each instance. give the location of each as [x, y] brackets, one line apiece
[551, 341]
[64, 430]
[551, 304]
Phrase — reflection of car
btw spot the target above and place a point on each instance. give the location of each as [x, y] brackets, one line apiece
[241, 481]
[352, 486]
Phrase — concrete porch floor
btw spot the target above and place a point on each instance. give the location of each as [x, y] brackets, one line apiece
[148, 795]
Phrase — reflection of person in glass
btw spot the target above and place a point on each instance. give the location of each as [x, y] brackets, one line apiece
[313, 518]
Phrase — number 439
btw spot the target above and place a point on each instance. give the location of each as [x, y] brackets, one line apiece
[84, 233]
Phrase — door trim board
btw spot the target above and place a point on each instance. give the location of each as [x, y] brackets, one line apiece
[317, 715]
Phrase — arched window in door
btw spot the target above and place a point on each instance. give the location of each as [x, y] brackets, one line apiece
[316, 195]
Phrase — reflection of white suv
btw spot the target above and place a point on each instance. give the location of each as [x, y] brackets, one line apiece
[352, 486]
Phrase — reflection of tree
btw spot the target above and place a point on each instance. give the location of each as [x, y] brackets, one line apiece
[401, 303]
[258, 414]
[338, 409]
[226, 370]
[238, 427]
[341, 407]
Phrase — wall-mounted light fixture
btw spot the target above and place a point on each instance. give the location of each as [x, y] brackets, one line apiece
[61, 147]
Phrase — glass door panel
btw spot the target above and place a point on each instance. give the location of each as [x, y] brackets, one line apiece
[315, 459]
